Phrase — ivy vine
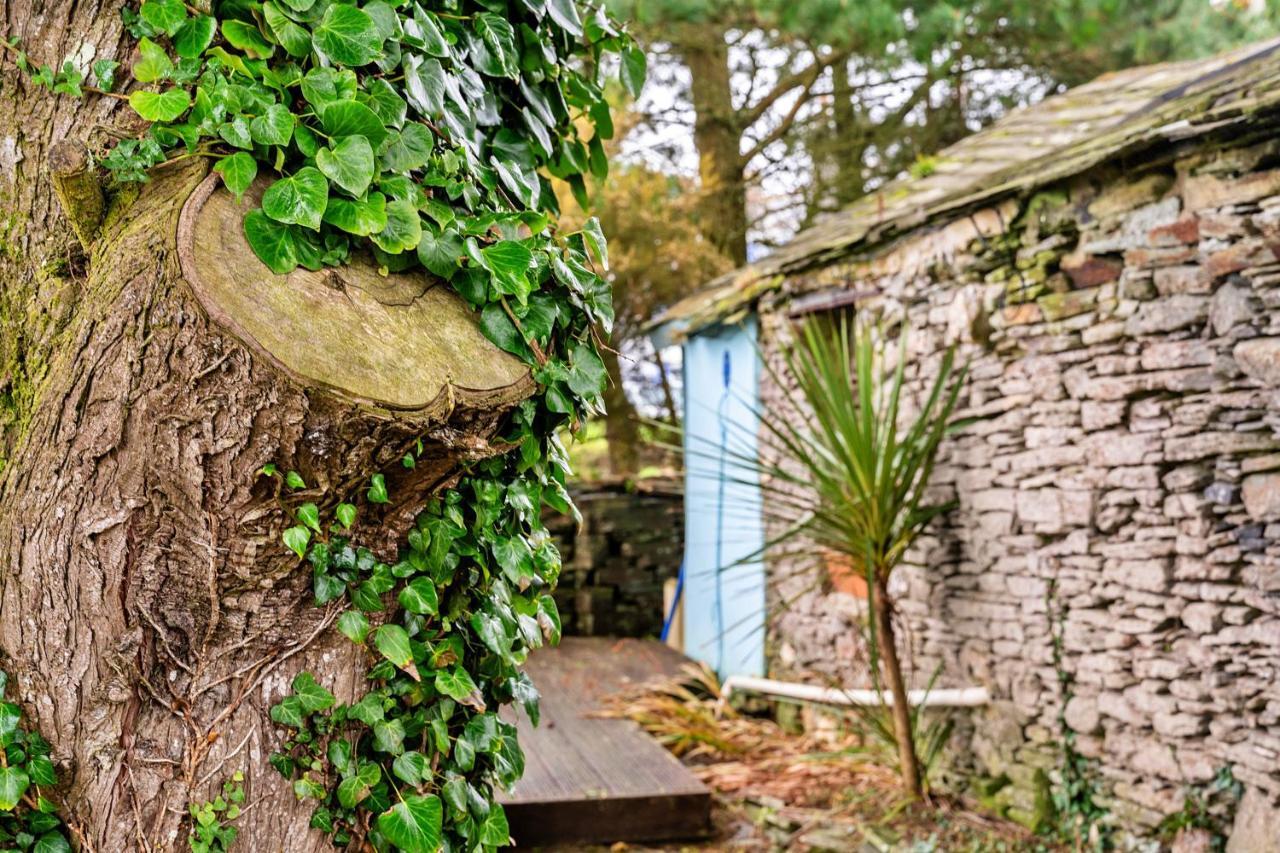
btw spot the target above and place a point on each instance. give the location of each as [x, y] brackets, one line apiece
[428, 134]
[28, 819]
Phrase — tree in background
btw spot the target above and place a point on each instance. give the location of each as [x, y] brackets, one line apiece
[800, 107]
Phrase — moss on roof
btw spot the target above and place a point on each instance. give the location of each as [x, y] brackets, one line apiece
[1116, 115]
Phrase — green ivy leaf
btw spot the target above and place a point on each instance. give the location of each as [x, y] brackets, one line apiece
[294, 480]
[238, 172]
[408, 149]
[272, 242]
[441, 252]
[160, 106]
[388, 736]
[104, 73]
[500, 38]
[165, 16]
[593, 236]
[587, 376]
[52, 842]
[362, 217]
[494, 831]
[288, 712]
[354, 625]
[420, 596]
[194, 36]
[296, 539]
[41, 771]
[352, 791]
[508, 258]
[295, 40]
[424, 85]
[456, 683]
[403, 230]
[393, 643]
[273, 127]
[236, 133]
[426, 28]
[299, 199]
[154, 65]
[348, 36]
[349, 164]
[378, 489]
[413, 824]
[412, 768]
[13, 784]
[248, 38]
[633, 69]
[352, 118]
[309, 514]
[565, 13]
[346, 515]
[381, 97]
[312, 696]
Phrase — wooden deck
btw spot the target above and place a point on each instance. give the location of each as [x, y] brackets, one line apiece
[593, 780]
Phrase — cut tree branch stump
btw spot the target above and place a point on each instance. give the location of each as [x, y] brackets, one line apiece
[403, 342]
[78, 187]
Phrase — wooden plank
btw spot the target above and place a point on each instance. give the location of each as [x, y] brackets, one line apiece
[590, 779]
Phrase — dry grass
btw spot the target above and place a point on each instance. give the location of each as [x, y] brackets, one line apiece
[782, 791]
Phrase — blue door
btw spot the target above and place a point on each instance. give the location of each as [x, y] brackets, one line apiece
[724, 589]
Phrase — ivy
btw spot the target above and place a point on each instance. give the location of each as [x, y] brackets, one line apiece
[211, 829]
[427, 133]
[28, 820]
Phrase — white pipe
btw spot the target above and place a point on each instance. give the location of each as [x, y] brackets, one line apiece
[945, 697]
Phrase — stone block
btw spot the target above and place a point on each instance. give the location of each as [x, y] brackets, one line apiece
[1187, 278]
[1082, 715]
[1202, 617]
[1096, 416]
[1204, 192]
[1168, 314]
[1180, 725]
[1259, 358]
[1150, 575]
[1256, 823]
[1261, 494]
[1086, 270]
[1055, 509]
[1229, 307]
[1122, 198]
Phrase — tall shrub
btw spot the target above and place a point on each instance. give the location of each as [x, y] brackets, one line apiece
[851, 472]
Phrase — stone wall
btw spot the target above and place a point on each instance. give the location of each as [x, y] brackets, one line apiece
[630, 542]
[1122, 489]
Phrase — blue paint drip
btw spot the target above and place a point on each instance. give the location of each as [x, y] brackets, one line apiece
[722, 417]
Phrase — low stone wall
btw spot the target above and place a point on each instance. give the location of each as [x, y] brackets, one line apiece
[630, 542]
[1113, 566]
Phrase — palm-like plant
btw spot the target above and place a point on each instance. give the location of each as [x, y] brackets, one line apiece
[848, 478]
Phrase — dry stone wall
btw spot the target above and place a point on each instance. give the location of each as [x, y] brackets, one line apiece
[629, 544]
[1121, 492]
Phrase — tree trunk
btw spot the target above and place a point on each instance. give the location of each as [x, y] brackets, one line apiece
[849, 145]
[909, 766]
[723, 203]
[622, 429]
[149, 613]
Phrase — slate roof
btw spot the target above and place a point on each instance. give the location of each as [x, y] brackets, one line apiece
[1118, 114]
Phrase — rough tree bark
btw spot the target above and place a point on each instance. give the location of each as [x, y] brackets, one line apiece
[149, 614]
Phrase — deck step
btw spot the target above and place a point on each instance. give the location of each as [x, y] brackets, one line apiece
[593, 780]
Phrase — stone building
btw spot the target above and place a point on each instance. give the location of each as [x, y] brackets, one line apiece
[1109, 263]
